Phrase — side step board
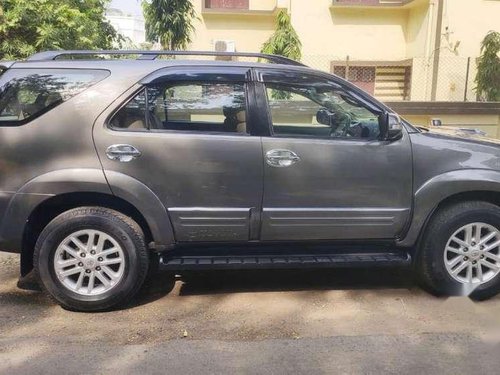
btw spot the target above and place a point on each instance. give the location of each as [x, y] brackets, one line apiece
[268, 261]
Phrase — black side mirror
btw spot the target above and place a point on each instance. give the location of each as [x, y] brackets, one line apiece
[324, 117]
[391, 127]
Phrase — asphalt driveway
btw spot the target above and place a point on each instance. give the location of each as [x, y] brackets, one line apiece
[279, 322]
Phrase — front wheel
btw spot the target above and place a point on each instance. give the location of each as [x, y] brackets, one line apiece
[460, 253]
[91, 259]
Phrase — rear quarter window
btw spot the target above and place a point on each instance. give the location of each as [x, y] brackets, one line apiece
[28, 93]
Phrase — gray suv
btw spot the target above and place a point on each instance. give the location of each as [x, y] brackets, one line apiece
[111, 168]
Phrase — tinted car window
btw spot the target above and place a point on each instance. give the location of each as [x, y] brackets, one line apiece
[319, 111]
[27, 93]
[132, 115]
[187, 106]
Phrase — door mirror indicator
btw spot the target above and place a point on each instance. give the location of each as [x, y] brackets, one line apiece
[391, 127]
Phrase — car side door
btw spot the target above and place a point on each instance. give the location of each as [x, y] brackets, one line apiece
[186, 133]
[327, 174]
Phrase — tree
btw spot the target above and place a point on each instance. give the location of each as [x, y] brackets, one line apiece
[284, 41]
[488, 68]
[29, 26]
[170, 22]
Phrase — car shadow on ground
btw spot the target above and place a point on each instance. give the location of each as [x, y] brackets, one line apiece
[294, 280]
[244, 281]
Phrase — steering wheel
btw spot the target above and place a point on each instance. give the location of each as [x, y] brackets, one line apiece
[342, 123]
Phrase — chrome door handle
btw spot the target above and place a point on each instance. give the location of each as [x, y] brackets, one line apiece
[123, 153]
[281, 158]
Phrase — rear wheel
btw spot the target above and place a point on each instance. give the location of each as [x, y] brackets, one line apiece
[91, 259]
[460, 253]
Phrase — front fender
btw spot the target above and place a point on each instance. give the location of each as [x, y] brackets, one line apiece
[434, 191]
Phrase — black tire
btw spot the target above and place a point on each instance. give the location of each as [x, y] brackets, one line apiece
[430, 263]
[126, 232]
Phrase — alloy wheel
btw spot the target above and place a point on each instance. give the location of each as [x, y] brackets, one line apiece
[472, 253]
[89, 262]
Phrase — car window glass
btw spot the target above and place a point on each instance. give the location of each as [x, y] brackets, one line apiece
[206, 106]
[132, 115]
[319, 111]
[28, 93]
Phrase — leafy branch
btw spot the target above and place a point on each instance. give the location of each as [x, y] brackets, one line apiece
[488, 68]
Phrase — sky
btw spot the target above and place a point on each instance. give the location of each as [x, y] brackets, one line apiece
[127, 6]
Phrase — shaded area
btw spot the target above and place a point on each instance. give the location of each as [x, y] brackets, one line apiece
[210, 282]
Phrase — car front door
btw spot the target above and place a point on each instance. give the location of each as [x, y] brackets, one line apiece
[191, 131]
[327, 176]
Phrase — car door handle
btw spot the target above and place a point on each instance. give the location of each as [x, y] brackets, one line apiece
[123, 153]
[281, 158]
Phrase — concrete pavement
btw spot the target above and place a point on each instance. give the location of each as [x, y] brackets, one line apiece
[344, 321]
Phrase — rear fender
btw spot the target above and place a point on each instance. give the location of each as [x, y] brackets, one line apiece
[65, 181]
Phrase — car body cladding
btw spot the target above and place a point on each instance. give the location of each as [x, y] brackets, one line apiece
[210, 183]
[445, 166]
[147, 203]
[5, 198]
[340, 188]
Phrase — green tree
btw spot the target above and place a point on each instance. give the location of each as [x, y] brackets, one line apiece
[29, 26]
[488, 68]
[284, 41]
[170, 22]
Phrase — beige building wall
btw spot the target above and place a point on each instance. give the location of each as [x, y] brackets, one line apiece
[469, 21]
[248, 31]
[465, 24]
[331, 32]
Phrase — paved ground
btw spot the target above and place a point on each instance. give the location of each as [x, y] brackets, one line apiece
[347, 321]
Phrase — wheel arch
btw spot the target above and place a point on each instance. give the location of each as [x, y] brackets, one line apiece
[45, 197]
[56, 205]
[446, 189]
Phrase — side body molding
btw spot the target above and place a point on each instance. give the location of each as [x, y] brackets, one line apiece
[79, 180]
[434, 191]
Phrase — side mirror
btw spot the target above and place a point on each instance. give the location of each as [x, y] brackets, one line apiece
[391, 127]
[324, 117]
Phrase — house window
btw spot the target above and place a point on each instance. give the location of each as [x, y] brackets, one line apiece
[361, 76]
[386, 82]
[226, 4]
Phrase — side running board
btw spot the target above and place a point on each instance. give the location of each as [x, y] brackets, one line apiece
[267, 261]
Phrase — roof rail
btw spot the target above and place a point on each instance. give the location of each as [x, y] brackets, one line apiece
[151, 55]
[4, 65]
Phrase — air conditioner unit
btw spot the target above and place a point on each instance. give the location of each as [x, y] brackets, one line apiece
[224, 46]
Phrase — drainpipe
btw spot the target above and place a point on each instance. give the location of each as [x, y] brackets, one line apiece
[429, 31]
[437, 49]
[428, 41]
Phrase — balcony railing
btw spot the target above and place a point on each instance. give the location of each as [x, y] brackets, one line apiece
[370, 3]
[239, 7]
[227, 4]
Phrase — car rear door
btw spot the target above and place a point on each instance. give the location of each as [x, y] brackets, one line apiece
[322, 184]
[187, 134]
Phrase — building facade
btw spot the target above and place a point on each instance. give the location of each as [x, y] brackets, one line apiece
[415, 50]
[130, 26]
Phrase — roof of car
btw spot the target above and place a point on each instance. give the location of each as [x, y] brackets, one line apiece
[148, 60]
[145, 67]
